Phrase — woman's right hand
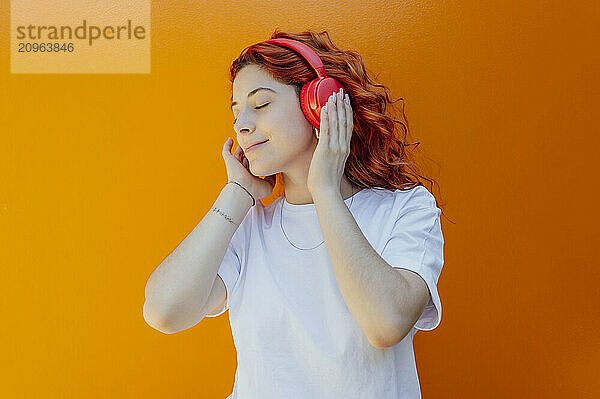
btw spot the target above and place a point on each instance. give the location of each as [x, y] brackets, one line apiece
[238, 170]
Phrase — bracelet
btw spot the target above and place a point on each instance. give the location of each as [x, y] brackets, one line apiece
[253, 200]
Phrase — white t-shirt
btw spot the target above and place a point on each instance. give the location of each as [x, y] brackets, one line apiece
[294, 335]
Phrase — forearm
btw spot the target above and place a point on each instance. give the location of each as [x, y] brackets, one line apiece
[371, 288]
[182, 282]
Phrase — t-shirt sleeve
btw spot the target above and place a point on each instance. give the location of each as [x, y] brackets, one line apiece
[416, 243]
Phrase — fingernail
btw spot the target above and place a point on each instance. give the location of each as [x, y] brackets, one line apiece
[325, 107]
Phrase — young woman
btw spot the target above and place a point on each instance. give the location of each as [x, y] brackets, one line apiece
[327, 285]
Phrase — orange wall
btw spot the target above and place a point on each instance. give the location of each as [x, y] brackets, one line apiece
[103, 175]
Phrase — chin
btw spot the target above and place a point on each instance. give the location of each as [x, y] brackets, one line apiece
[258, 170]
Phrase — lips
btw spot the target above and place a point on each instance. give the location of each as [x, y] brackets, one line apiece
[255, 145]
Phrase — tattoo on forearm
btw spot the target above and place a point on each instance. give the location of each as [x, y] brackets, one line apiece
[220, 212]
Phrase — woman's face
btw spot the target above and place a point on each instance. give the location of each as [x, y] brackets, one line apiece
[274, 115]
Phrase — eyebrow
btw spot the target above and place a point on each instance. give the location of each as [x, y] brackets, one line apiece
[253, 92]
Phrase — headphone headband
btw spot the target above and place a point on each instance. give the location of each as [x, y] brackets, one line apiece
[305, 51]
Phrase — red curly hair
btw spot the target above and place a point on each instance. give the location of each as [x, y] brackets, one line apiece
[378, 157]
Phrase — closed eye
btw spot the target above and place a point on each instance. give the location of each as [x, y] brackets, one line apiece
[259, 107]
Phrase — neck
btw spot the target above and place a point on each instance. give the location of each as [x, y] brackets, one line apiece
[297, 193]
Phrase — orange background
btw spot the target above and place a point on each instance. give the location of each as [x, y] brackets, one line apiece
[103, 175]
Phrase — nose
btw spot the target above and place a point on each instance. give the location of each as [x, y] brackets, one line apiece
[244, 123]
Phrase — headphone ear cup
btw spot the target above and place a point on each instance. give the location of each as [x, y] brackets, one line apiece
[316, 93]
[308, 99]
[304, 104]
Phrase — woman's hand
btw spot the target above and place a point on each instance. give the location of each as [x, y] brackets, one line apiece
[329, 158]
[238, 170]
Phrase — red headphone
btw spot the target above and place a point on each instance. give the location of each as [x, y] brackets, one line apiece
[315, 93]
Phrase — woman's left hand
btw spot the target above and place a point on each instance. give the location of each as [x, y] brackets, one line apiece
[329, 158]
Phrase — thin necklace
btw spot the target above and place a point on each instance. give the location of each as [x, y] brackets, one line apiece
[286, 237]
